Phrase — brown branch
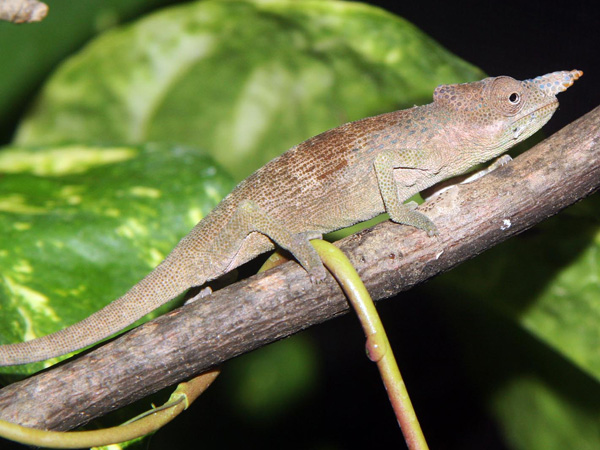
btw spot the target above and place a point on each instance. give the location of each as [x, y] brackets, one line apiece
[22, 11]
[390, 258]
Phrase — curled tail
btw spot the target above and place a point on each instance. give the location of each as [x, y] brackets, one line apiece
[157, 288]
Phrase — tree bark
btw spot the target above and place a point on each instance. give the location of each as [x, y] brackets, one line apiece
[254, 312]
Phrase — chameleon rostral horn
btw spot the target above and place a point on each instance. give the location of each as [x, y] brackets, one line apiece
[556, 82]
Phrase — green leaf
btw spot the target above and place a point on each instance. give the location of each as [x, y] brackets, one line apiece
[30, 52]
[79, 225]
[542, 400]
[273, 380]
[536, 414]
[245, 80]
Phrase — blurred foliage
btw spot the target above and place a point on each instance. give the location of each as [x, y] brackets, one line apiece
[243, 80]
[556, 298]
[30, 52]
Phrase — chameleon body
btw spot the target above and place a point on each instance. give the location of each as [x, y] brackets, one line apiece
[341, 177]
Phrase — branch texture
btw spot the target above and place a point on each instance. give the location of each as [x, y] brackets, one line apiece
[254, 312]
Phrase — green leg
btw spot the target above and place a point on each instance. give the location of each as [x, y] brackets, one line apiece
[394, 194]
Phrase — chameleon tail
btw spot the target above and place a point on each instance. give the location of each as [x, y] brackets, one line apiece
[156, 289]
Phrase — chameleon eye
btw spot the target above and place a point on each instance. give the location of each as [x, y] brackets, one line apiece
[506, 95]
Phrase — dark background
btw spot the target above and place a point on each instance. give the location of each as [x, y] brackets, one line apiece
[520, 39]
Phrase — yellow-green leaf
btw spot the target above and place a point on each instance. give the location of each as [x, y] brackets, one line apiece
[79, 225]
[245, 80]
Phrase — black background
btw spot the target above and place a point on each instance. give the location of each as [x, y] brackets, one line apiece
[520, 39]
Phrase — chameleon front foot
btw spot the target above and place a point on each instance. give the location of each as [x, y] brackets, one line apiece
[406, 215]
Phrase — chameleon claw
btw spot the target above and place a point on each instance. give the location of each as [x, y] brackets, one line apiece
[317, 275]
[433, 232]
[205, 292]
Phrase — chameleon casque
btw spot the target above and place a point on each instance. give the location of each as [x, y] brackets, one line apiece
[341, 177]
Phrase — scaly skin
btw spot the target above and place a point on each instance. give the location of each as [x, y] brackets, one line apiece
[341, 177]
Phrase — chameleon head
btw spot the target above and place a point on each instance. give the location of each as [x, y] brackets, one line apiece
[503, 111]
[540, 101]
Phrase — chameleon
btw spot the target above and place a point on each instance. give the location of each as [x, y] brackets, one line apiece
[336, 179]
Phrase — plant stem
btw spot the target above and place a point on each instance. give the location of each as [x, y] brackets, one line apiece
[377, 346]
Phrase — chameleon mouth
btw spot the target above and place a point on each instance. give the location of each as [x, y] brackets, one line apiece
[549, 107]
[523, 128]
